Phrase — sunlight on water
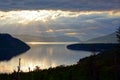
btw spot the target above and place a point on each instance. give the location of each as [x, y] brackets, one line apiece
[44, 55]
[51, 42]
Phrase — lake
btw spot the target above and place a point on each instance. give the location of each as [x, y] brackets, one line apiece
[44, 55]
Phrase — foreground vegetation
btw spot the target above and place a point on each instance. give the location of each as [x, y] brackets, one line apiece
[103, 66]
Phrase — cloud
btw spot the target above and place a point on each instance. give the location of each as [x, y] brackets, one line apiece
[74, 5]
[59, 23]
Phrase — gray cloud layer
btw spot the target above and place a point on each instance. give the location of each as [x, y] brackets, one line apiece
[84, 26]
[60, 4]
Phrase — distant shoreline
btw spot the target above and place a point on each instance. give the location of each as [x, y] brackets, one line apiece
[35, 43]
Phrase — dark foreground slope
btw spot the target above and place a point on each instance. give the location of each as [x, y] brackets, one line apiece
[103, 66]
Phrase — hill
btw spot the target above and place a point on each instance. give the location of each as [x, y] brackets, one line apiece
[110, 38]
[91, 47]
[11, 46]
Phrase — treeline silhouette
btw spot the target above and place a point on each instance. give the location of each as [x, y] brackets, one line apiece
[103, 66]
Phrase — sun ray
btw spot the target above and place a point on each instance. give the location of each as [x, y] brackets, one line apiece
[27, 16]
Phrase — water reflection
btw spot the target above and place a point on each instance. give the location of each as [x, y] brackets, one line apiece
[45, 56]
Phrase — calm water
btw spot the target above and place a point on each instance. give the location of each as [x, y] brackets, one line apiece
[44, 55]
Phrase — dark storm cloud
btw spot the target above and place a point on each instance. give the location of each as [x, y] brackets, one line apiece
[60, 4]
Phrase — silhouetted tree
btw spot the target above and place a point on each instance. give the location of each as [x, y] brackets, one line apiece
[116, 57]
[118, 34]
[37, 69]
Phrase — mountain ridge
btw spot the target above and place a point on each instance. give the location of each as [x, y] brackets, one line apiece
[110, 38]
[30, 38]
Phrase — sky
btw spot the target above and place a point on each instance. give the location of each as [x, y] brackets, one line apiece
[84, 19]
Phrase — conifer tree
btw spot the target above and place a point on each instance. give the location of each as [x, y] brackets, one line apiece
[118, 34]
